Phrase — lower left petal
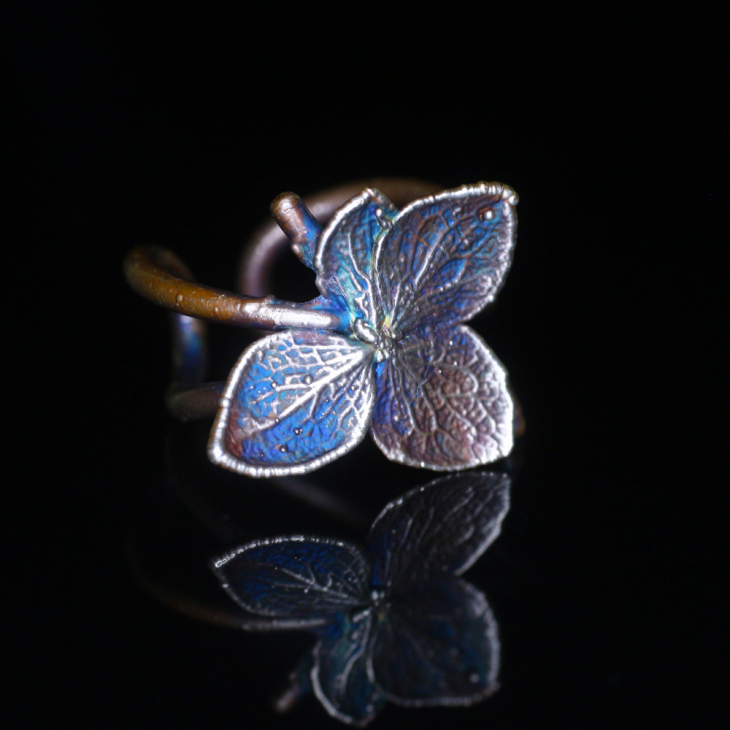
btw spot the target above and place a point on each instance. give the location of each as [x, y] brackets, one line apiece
[295, 401]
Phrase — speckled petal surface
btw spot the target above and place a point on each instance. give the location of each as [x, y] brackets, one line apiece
[442, 402]
[295, 400]
[344, 253]
[446, 256]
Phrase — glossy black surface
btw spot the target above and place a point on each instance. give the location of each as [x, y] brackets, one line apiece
[393, 619]
[177, 125]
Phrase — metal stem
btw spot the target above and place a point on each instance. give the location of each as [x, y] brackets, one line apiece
[268, 241]
[151, 272]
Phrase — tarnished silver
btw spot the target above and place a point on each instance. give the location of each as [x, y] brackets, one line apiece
[342, 377]
[477, 386]
[434, 393]
[385, 345]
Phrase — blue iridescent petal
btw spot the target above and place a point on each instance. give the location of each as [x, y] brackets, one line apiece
[438, 646]
[340, 674]
[445, 257]
[442, 402]
[438, 529]
[304, 578]
[295, 400]
[344, 252]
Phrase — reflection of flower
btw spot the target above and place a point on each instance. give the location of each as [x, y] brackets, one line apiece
[401, 283]
[394, 623]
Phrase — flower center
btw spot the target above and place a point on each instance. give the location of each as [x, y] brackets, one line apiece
[382, 340]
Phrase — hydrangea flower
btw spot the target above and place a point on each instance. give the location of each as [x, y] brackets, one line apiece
[402, 363]
[394, 621]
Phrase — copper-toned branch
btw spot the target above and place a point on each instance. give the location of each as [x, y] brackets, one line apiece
[158, 275]
[298, 224]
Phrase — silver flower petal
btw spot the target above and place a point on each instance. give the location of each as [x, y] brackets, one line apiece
[343, 259]
[446, 256]
[295, 401]
[442, 402]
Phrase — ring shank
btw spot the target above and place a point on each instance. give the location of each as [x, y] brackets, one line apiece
[158, 275]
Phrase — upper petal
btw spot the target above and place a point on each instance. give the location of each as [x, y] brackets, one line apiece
[295, 400]
[344, 252]
[446, 256]
[442, 402]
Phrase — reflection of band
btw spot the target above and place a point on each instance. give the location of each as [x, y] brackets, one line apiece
[159, 275]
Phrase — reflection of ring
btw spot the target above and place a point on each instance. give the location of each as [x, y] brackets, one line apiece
[383, 347]
[394, 618]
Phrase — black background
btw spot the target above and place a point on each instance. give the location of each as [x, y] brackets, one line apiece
[177, 124]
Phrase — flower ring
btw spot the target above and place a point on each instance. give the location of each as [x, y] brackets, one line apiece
[383, 347]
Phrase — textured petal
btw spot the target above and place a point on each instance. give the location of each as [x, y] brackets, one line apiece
[438, 647]
[340, 674]
[438, 529]
[344, 252]
[445, 257]
[296, 577]
[442, 402]
[295, 401]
